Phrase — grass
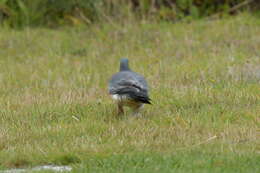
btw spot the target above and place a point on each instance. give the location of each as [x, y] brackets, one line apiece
[204, 79]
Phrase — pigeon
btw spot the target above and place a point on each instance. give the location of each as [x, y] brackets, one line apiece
[129, 89]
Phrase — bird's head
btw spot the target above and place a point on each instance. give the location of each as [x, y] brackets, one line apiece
[124, 64]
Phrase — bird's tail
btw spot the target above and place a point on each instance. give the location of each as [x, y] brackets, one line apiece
[138, 96]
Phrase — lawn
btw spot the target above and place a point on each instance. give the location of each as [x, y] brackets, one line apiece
[204, 78]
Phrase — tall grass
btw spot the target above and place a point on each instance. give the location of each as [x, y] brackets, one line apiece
[53, 13]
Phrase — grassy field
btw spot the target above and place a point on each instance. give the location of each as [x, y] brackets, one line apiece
[205, 86]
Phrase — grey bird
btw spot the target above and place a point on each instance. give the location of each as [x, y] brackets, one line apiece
[128, 88]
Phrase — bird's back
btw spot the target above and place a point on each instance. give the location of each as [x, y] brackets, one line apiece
[127, 79]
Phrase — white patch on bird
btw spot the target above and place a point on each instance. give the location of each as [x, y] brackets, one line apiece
[119, 97]
[116, 97]
[126, 101]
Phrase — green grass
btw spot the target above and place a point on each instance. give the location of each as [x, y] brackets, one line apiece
[204, 78]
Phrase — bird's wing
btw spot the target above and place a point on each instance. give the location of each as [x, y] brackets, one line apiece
[127, 79]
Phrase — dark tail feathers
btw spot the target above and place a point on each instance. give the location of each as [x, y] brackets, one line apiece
[135, 95]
